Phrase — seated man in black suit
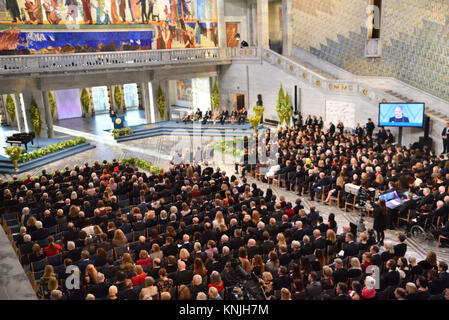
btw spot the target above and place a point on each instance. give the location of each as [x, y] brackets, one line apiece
[401, 248]
[242, 115]
[40, 233]
[100, 289]
[283, 279]
[224, 115]
[350, 248]
[182, 276]
[340, 273]
[207, 116]
[198, 114]
[398, 117]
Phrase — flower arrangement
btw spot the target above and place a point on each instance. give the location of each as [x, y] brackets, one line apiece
[11, 107]
[255, 121]
[36, 117]
[215, 98]
[118, 96]
[85, 101]
[284, 107]
[52, 101]
[14, 154]
[50, 149]
[145, 165]
[161, 102]
[116, 133]
[229, 147]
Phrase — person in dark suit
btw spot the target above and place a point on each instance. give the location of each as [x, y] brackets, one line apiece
[340, 273]
[129, 292]
[224, 115]
[182, 276]
[331, 128]
[401, 248]
[252, 248]
[283, 279]
[318, 242]
[243, 114]
[370, 128]
[398, 116]
[342, 291]
[444, 275]
[445, 137]
[380, 220]
[350, 248]
[198, 114]
[207, 116]
[100, 289]
[40, 233]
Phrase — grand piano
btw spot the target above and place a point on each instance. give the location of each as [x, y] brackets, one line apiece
[21, 138]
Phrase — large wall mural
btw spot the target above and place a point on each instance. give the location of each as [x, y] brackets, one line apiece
[71, 26]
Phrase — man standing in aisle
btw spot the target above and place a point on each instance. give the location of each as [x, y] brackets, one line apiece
[445, 136]
[370, 128]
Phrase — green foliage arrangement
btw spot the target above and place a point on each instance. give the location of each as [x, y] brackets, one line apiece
[118, 96]
[13, 152]
[121, 132]
[161, 102]
[229, 147]
[258, 110]
[50, 149]
[11, 107]
[255, 121]
[52, 101]
[215, 97]
[283, 107]
[85, 100]
[36, 117]
[142, 164]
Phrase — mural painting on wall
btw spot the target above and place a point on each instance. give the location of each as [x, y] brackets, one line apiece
[184, 90]
[71, 26]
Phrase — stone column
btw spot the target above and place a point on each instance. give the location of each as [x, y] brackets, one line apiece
[48, 116]
[38, 96]
[221, 24]
[146, 101]
[19, 113]
[154, 88]
[263, 35]
[287, 27]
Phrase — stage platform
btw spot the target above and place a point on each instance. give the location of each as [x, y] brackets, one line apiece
[174, 128]
[6, 166]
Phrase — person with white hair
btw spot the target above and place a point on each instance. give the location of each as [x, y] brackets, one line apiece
[201, 296]
[369, 291]
[40, 232]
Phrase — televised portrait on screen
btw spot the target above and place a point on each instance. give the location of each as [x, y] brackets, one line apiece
[401, 114]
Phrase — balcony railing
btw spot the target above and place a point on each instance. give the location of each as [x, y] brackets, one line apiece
[23, 64]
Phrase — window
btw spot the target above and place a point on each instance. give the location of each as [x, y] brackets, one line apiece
[100, 98]
[374, 18]
[131, 96]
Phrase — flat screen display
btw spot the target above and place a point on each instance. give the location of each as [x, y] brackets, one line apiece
[401, 114]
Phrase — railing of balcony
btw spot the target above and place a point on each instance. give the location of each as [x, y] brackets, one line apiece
[103, 60]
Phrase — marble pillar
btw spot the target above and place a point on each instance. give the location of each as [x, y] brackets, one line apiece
[146, 101]
[48, 116]
[263, 35]
[19, 113]
[221, 24]
[154, 90]
[287, 27]
[38, 96]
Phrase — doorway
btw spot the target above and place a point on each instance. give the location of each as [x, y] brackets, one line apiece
[100, 99]
[238, 101]
[231, 33]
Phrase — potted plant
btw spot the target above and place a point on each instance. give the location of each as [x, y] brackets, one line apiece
[255, 121]
[288, 109]
[85, 101]
[36, 117]
[14, 153]
[161, 102]
[52, 101]
[118, 97]
[11, 107]
[215, 101]
[280, 105]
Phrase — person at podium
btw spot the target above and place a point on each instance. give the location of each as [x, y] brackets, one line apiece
[112, 114]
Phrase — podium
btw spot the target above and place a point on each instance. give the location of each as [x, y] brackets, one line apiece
[119, 122]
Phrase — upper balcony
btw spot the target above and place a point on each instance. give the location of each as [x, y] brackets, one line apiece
[28, 65]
